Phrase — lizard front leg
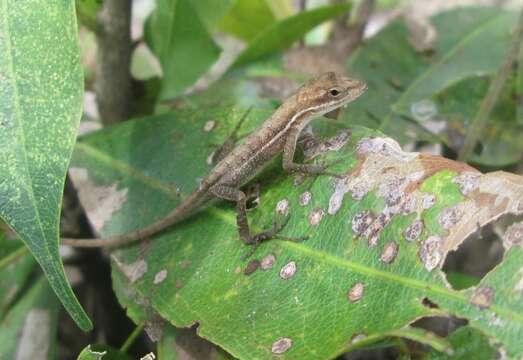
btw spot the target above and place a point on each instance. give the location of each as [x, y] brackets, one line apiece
[289, 165]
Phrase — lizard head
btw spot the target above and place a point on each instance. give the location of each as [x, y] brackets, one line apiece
[328, 92]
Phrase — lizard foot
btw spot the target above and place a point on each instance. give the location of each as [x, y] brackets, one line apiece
[321, 169]
[257, 239]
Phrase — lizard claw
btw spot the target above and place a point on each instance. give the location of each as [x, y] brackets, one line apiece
[272, 233]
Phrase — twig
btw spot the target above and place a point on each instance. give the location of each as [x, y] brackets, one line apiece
[496, 86]
[301, 8]
[113, 79]
[348, 38]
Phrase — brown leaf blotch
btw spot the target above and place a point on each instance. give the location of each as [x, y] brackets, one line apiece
[268, 262]
[282, 207]
[315, 216]
[390, 251]
[430, 252]
[281, 345]
[450, 217]
[288, 270]
[467, 182]
[513, 235]
[414, 230]
[356, 292]
[361, 221]
[305, 198]
[251, 267]
[483, 297]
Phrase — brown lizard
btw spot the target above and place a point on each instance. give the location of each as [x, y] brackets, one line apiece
[280, 132]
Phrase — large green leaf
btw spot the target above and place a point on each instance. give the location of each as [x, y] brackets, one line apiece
[28, 331]
[182, 44]
[351, 280]
[40, 108]
[284, 33]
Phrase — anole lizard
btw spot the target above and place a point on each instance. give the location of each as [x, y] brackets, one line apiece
[278, 133]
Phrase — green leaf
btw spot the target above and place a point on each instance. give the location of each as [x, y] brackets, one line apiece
[102, 352]
[468, 343]
[87, 10]
[247, 19]
[28, 331]
[40, 109]
[194, 272]
[15, 268]
[181, 43]
[211, 12]
[284, 33]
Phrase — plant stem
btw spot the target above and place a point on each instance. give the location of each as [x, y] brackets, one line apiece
[496, 86]
[113, 84]
[130, 340]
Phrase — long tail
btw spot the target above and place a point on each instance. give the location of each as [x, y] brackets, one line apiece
[184, 210]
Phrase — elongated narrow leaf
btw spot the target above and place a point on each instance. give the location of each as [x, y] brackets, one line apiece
[377, 238]
[284, 33]
[40, 106]
[16, 265]
[182, 44]
[28, 330]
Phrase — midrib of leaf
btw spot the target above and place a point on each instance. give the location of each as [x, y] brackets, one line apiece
[28, 181]
[471, 35]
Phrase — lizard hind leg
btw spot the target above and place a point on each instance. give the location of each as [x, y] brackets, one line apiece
[232, 194]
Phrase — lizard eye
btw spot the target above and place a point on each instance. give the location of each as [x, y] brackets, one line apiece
[334, 92]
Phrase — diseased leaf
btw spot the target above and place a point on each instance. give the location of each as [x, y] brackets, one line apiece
[28, 330]
[182, 44]
[40, 108]
[284, 33]
[377, 238]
